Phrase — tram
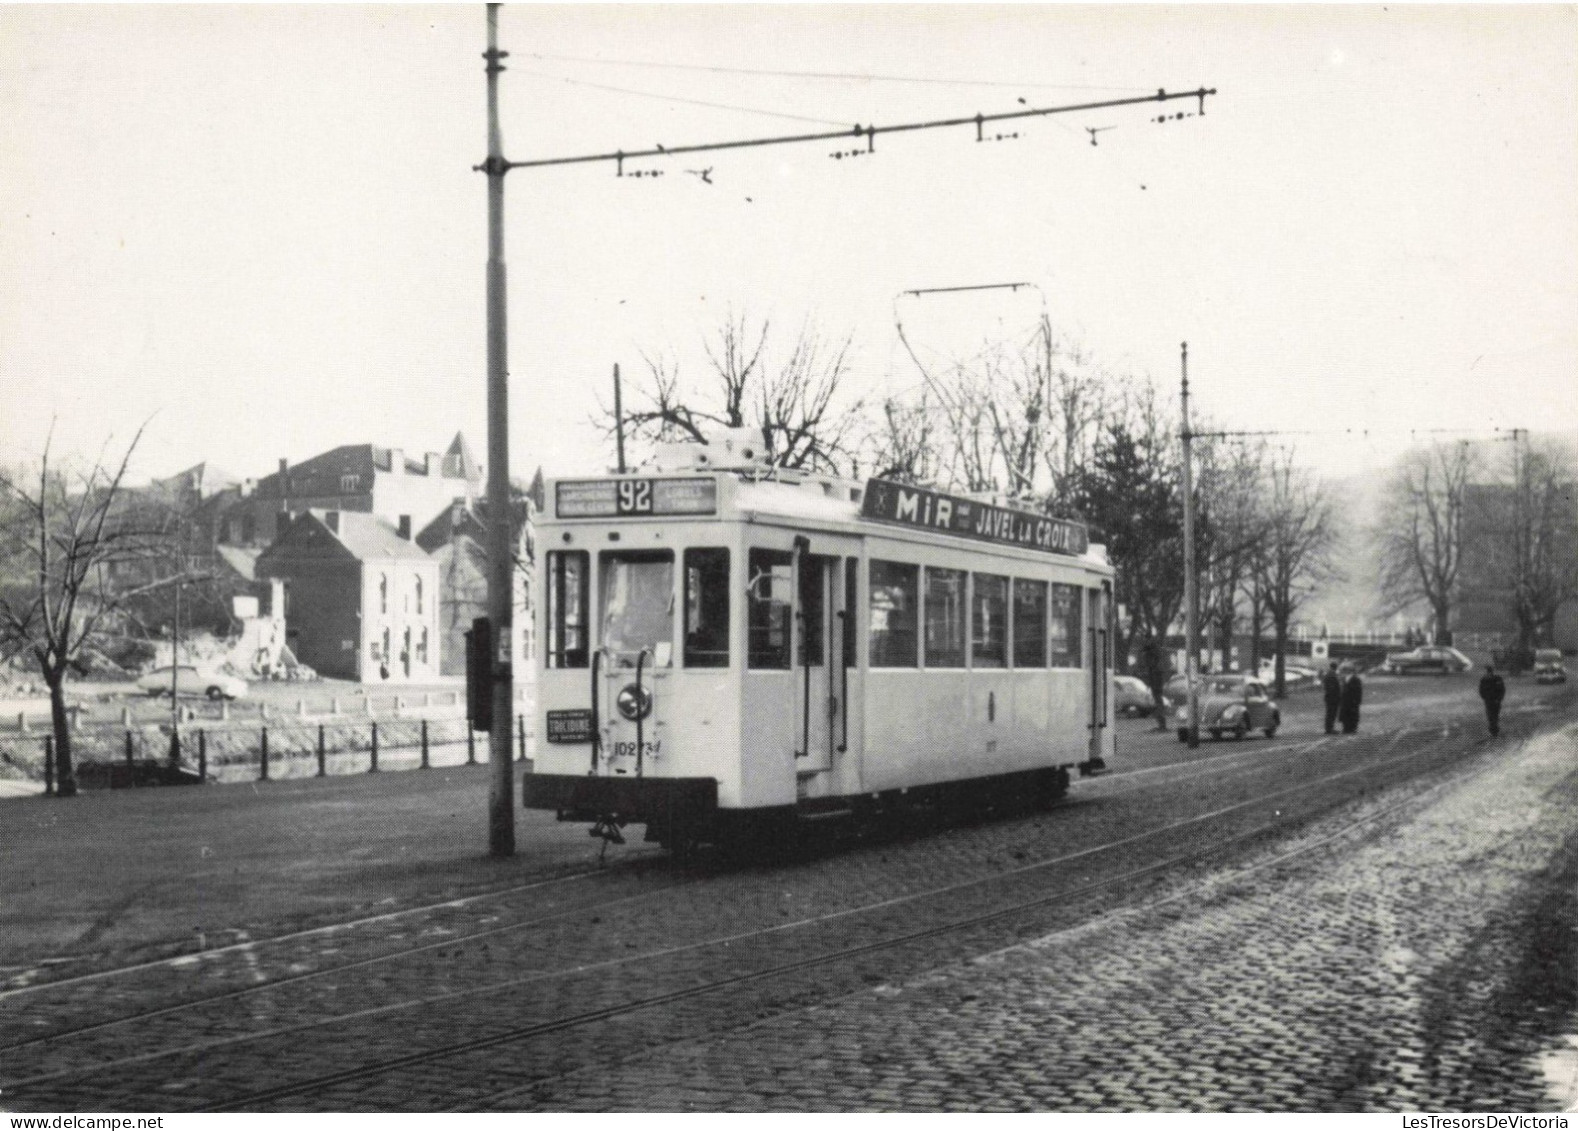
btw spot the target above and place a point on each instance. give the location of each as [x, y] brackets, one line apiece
[728, 648]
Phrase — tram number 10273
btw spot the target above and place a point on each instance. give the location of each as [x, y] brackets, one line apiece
[635, 496]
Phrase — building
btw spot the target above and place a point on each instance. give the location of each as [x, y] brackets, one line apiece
[457, 542]
[354, 478]
[361, 598]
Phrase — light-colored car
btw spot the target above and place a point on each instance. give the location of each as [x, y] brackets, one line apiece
[1231, 704]
[1426, 658]
[1548, 666]
[1130, 696]
[192, 680]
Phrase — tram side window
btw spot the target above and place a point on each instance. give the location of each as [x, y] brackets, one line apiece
[945, 611]
[989, 622]
[767, 593]
[706, 608]
[566, 605]
[893, 598]
[1030, 623]
[1066, 621]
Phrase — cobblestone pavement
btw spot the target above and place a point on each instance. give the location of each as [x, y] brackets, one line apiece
[1428, 966]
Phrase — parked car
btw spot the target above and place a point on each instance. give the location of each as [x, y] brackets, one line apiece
[1548, 666]
[191, 680]
[1130, 696]
[1426, 658]
[1231, 704]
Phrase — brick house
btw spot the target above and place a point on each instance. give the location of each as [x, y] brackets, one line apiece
[361, 598]
[359, 478]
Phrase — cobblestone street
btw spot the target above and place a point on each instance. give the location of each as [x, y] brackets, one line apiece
[1428, 966]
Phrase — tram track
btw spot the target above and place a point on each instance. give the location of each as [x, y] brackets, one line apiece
[888, 941]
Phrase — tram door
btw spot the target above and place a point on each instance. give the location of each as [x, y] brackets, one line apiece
[1100, 660]
[818, 645]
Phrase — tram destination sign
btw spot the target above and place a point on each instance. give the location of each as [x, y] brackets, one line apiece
[916, 507]
[634, 498]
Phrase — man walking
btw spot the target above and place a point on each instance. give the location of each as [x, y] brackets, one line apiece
[1492, 689]
[1348, 705]
[1331, 685]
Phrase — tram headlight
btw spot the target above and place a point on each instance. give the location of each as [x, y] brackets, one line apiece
[634, 702]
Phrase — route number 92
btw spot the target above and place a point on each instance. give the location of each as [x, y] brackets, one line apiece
[635, 496]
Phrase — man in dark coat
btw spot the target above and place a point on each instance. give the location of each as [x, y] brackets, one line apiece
[1492, 689]
[1331, 685]
[1348, 706]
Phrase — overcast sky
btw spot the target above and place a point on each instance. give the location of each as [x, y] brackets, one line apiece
[260, 227]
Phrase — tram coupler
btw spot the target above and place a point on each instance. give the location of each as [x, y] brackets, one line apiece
[1092, 767]
[608, 828]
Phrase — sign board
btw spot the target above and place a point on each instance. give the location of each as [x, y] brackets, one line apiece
[570, 726]
[920, 509]
[635, 498]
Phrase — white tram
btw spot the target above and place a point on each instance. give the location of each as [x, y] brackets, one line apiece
[725, 647]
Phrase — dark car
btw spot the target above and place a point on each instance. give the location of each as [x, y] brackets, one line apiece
[1426, 658]
[1548, 666]
[1231, 704]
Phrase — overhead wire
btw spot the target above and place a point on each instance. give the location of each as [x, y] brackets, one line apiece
[834, 76]
[686, 101]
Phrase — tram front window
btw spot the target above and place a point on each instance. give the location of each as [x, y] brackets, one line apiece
[637, 604]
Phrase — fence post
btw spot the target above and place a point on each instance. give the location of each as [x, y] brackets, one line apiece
[49, 763]
[202, 755]
[425, 764]
[322, 753]
[373, 769]
[471, 744]
[263, 757]
[522, 728]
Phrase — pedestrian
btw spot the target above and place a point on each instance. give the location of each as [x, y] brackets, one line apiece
[1331, 685]
[1348, 705]
[1492, 689]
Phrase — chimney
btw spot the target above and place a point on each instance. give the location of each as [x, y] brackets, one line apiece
[432, 464]
[396, 461]
[403, 527]
[247, 487]
[331, 519]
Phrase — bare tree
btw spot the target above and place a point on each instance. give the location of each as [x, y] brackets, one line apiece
[795, 403]
[1419, 532]
[1530, 561]
[1230, 533]
[63, 551]
[1295, 557]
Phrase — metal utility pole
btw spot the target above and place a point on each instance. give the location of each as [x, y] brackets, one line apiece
[500, 544]
[1191, 597]
[619, 419]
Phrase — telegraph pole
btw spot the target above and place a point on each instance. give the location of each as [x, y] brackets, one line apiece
[501, 548]
[1191, 597]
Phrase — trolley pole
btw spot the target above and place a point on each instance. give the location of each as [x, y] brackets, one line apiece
[501, 550]
[1191, 596]
[619, 419]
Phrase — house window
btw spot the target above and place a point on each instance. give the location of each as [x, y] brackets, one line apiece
[421, 646]
[349, 482]
[419, 596]
[383, 598]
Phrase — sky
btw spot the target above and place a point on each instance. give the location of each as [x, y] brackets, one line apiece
[259, 230]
